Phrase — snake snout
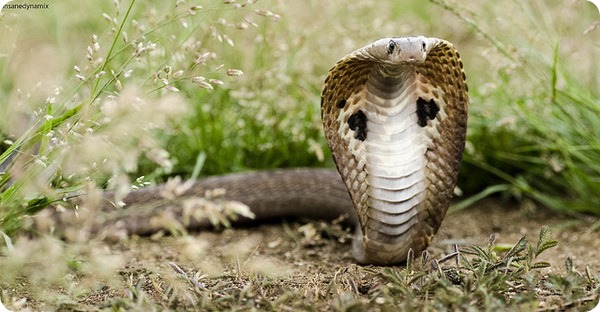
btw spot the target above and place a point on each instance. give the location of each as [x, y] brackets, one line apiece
[409, 50]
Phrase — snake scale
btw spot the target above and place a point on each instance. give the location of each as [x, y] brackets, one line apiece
[394, 115]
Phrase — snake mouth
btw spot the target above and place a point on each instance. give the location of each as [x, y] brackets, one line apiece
[408, 61]
[414, 59]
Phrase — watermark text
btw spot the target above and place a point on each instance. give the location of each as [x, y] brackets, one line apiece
[26, 6]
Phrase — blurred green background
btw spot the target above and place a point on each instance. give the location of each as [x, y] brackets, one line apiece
[115, 93]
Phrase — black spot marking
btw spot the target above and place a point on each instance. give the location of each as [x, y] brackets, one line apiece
[358, 123]
[426, 111]
[391, 46]
[341, 103]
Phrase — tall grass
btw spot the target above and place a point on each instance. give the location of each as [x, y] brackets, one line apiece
[96, 119]
[534, 130]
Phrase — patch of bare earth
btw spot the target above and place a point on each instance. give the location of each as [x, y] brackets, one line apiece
[310, 266]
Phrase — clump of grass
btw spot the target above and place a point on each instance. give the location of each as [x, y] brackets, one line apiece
[533, 130]
[101, 127]
[50, 272]
[486, 278]
[271, 116]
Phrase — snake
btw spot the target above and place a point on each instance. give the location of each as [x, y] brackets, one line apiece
[394, 115]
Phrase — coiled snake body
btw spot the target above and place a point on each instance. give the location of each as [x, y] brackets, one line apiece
[394, 115]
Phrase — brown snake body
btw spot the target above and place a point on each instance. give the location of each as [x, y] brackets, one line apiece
[317, 194]
[394, 115]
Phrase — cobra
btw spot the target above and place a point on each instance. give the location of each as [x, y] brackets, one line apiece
[394, 115]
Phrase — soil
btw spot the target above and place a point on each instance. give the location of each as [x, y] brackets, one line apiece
[307, 257]
[295, 245]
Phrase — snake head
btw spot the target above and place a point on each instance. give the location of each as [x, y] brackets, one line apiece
[400, 50]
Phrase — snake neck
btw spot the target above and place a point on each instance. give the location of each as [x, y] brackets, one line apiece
[394, 154]
[386, 80]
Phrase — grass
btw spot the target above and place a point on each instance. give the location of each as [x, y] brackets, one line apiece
[119, 97]
[484, 278]
[535, 132]
[136, 93]
[532, 131]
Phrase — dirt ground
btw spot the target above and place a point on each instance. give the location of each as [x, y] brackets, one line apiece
[301, 257]
[298, 255]
[295, 245]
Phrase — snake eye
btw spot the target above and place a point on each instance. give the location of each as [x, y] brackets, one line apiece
[391, 46]
[423, 45]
